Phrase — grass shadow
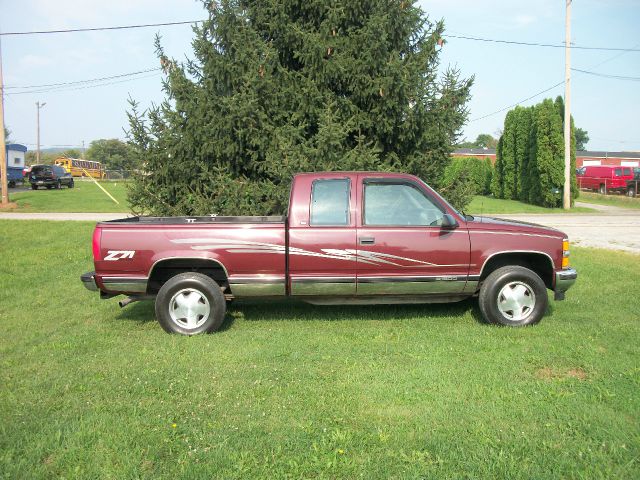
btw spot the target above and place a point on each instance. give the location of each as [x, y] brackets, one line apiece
[296, 310]
[141, 312]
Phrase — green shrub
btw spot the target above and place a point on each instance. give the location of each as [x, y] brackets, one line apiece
[479, 172]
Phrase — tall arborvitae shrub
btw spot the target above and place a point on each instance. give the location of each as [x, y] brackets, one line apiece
[282, 86]
[509, 156]
[497, 179]
[549, 155]
[530, 160]
[523, 128]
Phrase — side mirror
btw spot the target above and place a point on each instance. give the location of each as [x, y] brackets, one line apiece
[449, 222]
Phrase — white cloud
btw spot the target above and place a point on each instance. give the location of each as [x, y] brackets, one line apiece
[35, 61]
[522, 20]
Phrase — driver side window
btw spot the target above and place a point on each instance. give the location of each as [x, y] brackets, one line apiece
[399, 204]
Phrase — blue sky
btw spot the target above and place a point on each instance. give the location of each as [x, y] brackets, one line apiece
[505, 74]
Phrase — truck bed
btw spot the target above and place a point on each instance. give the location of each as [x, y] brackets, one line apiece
[279, 219]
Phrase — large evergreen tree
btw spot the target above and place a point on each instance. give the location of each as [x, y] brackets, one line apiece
[282, 86]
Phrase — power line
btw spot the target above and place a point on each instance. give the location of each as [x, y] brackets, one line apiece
[534, 44]
[91, 80]
[617, 77]
[96, 29]
[518, 103]
[461, 37]
[67, 89]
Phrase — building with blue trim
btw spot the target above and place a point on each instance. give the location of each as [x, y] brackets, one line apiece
[15, 163]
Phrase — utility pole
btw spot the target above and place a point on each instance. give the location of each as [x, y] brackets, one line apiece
[566, 197]
[38, 107]
[3, 146]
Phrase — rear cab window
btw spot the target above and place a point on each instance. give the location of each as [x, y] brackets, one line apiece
[330, 202]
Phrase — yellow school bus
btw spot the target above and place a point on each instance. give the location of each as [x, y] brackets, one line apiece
[79, 167]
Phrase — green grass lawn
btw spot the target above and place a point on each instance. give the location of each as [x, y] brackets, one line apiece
[295, 391]
[612, 200]
[481, 205]
[86, 196]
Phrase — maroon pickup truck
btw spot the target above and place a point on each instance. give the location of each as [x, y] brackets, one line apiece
[349, 238]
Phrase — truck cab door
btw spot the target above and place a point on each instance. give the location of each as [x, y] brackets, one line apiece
[406, 244]
[322, 235]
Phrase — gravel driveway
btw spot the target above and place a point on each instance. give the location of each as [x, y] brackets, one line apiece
[613, 228]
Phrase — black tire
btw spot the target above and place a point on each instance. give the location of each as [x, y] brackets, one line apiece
[530, 289]
[201, 293]
[602, 190]
[631, 191]
[71, 185]
[58, 185]
[34, 186]
[49, 187]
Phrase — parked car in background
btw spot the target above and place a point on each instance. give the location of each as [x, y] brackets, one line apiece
[49, 176]
[605, 178]
[633, 185]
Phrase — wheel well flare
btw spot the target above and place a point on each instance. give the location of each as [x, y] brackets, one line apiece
[163, 270]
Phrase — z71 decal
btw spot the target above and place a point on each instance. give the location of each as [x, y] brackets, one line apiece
[119, 254]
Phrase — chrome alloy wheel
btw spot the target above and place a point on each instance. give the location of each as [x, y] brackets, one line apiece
[516, 301]
[189, 308]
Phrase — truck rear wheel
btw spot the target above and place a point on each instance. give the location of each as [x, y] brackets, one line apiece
[189, 304]
[513, 296]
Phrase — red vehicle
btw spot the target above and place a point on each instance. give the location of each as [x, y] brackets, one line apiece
[605, 178]
[349, 237]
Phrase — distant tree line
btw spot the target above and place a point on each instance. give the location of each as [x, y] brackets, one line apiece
[530, 155]
[114, 154]
[484, 140]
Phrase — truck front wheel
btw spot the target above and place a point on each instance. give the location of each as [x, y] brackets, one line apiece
[514, 296]
[189, 304]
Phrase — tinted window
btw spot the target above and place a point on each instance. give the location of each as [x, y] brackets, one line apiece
[330, 202]
[626, 171]
[399, 204]
[617, 172]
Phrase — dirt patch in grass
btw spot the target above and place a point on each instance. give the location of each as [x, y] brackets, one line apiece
[548, 373]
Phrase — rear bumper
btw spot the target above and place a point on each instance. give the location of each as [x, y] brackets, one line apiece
[89, 281]
[129, 285]
[564, 280]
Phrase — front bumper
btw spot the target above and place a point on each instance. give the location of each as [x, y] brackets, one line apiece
[564, 280]
[89, 281]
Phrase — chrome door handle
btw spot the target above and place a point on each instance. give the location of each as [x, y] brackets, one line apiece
[367, 240]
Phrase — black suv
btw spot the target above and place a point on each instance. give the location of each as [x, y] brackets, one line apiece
[49, 176]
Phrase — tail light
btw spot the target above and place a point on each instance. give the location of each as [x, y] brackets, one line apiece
[97, 236]
[565, 253]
